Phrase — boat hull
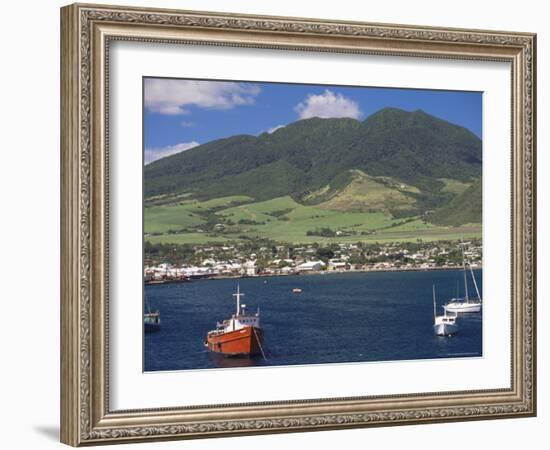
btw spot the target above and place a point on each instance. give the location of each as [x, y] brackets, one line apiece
[445, 329]
[151, 327]
[246, 341]
[151, 322]
[462, 307]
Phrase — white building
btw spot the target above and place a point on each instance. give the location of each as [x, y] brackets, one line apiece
[250, 268]
[336, 264]
[310, 266]
[286, 261]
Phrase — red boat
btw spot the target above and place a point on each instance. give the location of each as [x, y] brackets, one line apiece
[240, 335]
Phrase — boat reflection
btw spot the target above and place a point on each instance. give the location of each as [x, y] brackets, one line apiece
[228, 362]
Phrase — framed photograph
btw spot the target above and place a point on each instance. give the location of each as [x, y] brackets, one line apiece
[275, 224]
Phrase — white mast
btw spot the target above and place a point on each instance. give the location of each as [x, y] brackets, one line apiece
[475, 282]
[238, 295]
[435, 309]
[464, 271]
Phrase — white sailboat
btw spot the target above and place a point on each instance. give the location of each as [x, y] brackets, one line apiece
[151, 319]
[443, 325]
[466, 304]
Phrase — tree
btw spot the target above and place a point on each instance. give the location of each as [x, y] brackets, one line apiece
[325, 253]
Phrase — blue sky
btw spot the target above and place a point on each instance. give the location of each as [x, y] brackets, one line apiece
[181, 114]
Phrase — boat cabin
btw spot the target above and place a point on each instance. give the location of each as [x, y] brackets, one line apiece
[241, 319]
[239, 322]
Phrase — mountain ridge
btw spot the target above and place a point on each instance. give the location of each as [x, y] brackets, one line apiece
[414, 148]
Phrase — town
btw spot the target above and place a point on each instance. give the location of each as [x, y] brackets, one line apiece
[261, 257]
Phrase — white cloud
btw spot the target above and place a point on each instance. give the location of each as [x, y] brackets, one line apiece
[275, 128]
[154, 153]
[187, 124]
[328, 104]
[173, 97]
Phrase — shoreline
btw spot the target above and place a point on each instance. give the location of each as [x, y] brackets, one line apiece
[309, 273]
[337, 272]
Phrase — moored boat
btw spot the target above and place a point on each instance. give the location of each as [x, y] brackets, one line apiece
[444, 325]
[240, 335]
[151, 319]
[466, 304]
[463, 305]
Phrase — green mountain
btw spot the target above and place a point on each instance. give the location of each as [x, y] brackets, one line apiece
[329, 161]
[464, 208]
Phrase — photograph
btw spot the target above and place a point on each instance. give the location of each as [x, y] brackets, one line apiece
[284, 221]
[298, 224]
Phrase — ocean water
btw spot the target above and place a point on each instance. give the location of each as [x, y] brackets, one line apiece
[345, 317]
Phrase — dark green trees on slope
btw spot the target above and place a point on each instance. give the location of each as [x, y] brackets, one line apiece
[464, 208]
[315, 154]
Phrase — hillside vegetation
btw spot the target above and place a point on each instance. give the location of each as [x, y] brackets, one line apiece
[464, 208]
[401, 174]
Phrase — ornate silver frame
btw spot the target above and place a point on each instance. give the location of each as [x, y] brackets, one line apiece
[86, 31]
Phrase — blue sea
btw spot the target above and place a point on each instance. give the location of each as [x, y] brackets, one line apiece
[344, 317]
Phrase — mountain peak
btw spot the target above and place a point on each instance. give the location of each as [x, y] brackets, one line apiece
[410, 146]
[322, 120]
[397, 113]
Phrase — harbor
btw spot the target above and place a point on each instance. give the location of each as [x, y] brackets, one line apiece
[335, 318]
[186, 263]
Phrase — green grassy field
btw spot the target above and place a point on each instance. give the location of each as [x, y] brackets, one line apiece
[284, 220]
[261, 211]
[365, 192]
[429, 235]
[160, 219]
[223, 201]
[186, 238]
[188, 214]
[454, 186]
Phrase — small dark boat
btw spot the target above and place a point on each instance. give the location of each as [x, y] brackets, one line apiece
[151, 319]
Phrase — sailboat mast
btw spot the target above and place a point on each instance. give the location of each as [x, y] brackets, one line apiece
[464, 271]
[475, 283]
[435, 309]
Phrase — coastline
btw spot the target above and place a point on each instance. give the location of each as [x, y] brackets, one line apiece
[311, 273]
[337, 272]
